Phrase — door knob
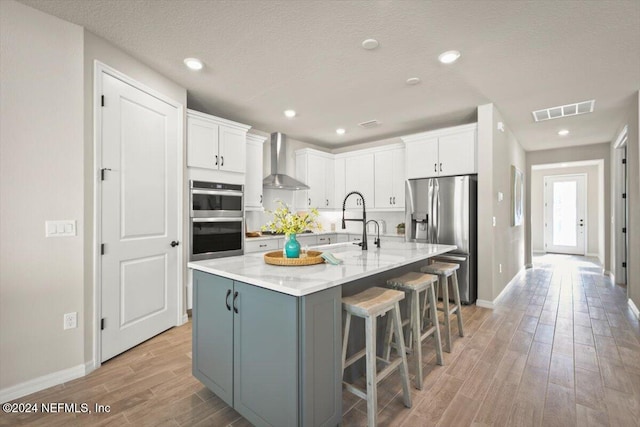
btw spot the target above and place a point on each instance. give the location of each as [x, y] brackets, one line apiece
[174, 243]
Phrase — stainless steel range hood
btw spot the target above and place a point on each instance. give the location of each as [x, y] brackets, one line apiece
[279, 179]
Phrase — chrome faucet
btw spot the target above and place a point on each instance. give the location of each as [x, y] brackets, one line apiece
[363, 244]
[377, 240]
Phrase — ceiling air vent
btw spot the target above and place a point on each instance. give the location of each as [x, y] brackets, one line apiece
[369, 124]
[564, 111]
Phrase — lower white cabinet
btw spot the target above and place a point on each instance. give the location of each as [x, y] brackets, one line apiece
[261, 245]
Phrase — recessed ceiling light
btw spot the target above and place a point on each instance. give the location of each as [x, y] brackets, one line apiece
[290, 113]
[449, 57]
[370, 44]
[193, 63]
[340, 131]
[413, 81]
[563, 132]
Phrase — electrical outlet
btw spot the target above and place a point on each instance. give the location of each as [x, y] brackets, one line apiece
[500, 268]
[70, 320]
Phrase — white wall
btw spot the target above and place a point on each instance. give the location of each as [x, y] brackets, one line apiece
[502, 245]
[41, 178]
[594, 221]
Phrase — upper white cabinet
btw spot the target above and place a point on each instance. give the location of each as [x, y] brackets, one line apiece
[443, 152]
[359, 176]
[316, 169]
[389, 178]
[215, 143]
[253, 179]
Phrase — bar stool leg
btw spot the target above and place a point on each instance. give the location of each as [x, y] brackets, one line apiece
[456, 297]
[345, 339]
[445, 306]
[372, 384]
[416, 335]
[388, 332]
[434, 319]
[402, 367]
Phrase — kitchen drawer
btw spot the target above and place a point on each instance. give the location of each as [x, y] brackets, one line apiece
[307, 240]
[326, 239]
[260, 245]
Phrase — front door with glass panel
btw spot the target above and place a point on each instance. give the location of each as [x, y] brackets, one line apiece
[565, 215]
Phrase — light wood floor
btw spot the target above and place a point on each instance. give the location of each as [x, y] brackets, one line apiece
[561, 348]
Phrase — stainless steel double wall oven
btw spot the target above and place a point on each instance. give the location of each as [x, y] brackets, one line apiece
[216, 220]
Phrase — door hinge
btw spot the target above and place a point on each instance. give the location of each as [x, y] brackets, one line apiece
[624, 265]
[624, 229]
[624, 195]
[102, 324]
[624, 161]
[102, 100]
[101, 248]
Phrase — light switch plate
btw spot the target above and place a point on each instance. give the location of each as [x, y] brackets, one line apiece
[500, 196]
[64, 228]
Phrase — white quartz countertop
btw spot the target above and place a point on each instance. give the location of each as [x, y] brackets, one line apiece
[305, 280]
[322, 233]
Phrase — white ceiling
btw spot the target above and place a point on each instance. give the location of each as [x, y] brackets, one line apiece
[264, 56]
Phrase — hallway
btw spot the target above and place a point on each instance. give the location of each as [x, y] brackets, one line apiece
[561, 348]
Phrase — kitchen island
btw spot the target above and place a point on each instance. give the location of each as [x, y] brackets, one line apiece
[267, 339]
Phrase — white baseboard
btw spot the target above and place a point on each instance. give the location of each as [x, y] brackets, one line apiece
[538, 252]
[185, 319]
[528, 266]
[491, 304]
[45, 381]
[634, 308]
[484, 303]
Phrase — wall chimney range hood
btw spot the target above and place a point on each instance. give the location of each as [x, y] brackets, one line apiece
[279, 179]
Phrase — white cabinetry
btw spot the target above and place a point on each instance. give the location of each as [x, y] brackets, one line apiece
[215, 143]
[253, 180]
[389, 178]
[443, 152]
[316, 169]
[359, 176]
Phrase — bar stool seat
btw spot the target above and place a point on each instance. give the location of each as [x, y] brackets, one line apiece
[447, 275]
[370, 304]
[414, 283]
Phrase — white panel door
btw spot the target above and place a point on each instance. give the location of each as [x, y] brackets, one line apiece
[202, 148]
[232, 145]
[565, 214]
[139, 216]
[422, 158]
[457, 154]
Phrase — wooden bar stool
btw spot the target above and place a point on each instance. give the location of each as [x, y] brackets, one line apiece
[369, 305]
[413, 284]
[447, 276]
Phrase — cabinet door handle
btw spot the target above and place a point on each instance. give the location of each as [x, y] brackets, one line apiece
[309, 201]
[435, 167]
[216, 160]
[390, 202]
[264, 245]
[261, 199]
[394, 200]
[226, 300]
[440, 167]
[235, 297]
[326, 202]
[221, 160]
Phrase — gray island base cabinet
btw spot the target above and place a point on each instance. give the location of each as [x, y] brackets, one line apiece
[273, 357]
[267, 339]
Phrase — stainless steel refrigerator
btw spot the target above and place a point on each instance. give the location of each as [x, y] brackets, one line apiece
[444, 210]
